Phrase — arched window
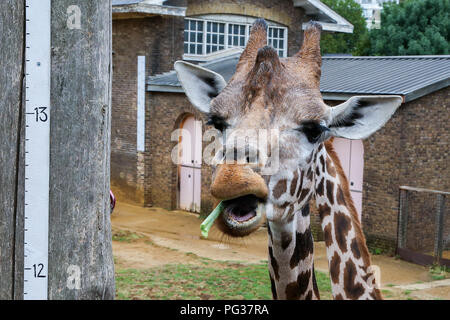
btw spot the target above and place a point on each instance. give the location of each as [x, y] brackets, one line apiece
[205, 35]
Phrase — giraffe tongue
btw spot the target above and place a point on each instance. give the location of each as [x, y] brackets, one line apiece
[242, 209]
[245, 217]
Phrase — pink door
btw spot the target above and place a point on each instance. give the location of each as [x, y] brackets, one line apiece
[191, 163]
[351, 155]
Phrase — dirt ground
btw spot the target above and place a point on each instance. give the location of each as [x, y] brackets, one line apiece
[170, 237]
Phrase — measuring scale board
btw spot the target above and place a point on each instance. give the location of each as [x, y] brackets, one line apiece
[37, 148]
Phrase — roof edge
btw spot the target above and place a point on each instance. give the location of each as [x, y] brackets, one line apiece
[145, 9]
[419, 93]
[341, 25]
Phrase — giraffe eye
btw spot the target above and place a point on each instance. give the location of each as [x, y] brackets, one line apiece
[218, 122]
[313, 130]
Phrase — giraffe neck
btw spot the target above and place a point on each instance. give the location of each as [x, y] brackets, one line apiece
[291, 259]
[352, 276]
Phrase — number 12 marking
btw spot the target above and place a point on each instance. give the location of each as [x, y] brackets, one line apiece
[37, 270]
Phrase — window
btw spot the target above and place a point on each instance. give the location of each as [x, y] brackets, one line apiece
[193, 36]
[237, 35]
[276, 39]
[206, 36]
[215, 37]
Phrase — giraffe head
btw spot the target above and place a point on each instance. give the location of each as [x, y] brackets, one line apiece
[279, 99]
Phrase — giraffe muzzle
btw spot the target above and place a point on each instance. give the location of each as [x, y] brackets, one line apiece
[242, 216]
[244, 193]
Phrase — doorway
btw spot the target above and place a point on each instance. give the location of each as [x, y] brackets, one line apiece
[189, 171]
[351, 155]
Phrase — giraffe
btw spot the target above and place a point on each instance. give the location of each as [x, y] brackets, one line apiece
[282, 94]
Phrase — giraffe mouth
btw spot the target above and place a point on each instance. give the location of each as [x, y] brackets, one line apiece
[242, 209]
[242, 216]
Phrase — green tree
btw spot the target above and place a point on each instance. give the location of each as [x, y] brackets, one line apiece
[354, 43]
[414, 27]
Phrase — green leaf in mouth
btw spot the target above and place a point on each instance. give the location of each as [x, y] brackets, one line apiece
[209, 221]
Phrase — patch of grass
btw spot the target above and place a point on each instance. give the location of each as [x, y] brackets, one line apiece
[407, 292]
[436, 277]
[439, 272]
[188, 282]
[384, 291]
[125, 236]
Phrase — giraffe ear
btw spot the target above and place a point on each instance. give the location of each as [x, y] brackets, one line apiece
[361, 116]
[200, 84]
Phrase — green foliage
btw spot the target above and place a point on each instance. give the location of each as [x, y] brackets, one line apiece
[415, 27]
[342, 42]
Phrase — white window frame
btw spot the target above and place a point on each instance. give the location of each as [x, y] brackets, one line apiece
[230, 20]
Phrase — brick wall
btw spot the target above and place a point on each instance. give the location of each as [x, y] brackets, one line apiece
[160, 39]
[412, 150]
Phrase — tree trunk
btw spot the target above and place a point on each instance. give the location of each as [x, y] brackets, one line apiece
[80, 251]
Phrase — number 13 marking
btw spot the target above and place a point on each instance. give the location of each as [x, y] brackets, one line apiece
[41, 115]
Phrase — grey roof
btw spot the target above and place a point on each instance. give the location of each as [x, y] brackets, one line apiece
[123, 2]
[142, 8]
[409, 76]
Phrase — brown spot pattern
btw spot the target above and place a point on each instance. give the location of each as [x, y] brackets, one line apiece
[286, 239]
[330, 188]
[320, 188]
[340, 196]
[338, 297]
[324, 210]
[327, 235]
[335, 268]
[342, 225]
[309, 296]
[305, 192]
[309, 174]
[295, 290]
[305, 210]
[355, 248]
[294, 183]
[301, 184]
[274, 264]
[304, 246]
[353, 290]
[280, 188]
[322, 162]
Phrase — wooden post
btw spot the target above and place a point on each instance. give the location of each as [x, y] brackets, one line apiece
[80, 251]
[11, 75]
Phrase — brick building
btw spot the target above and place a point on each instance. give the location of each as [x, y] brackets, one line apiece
[149, 104]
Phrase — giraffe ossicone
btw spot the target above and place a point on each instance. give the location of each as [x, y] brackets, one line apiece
[269, 93]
